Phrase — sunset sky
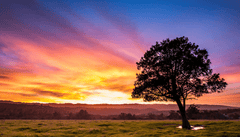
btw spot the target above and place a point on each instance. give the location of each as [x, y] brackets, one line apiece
[86, 51]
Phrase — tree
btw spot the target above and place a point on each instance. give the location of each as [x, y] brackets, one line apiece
[174, 115]
[82, 114]
[192, 111]
[151, 116]
[175, 70]
[126, 116]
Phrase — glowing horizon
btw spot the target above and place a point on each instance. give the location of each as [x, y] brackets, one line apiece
[86, 52]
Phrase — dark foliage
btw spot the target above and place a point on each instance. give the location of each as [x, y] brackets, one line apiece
[27, 111]
[193, 112]
[234, 116]
[124, 116]
[193, 109]
[174, 115]
[82, 114]
[175, 70]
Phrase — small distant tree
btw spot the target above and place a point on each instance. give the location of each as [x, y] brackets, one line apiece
[192, 111]
[122, 116]
[160, 117]
[129, 116]
[151, 116]
[176, 70]
[82, 114]
[173, 115]
[234, 116]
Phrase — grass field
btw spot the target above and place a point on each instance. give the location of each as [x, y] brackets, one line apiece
[115, 128]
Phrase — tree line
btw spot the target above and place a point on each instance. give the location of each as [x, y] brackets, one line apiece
[39, 112]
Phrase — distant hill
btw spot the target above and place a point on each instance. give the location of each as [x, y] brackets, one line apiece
[110, 109]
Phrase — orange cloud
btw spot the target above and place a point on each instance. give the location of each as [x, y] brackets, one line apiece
[223, 99]
[64, 72]
[70, 73]
[67, 56]
[232, 77]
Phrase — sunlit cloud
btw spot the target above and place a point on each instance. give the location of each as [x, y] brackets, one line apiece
[82, 52]
[51, 57]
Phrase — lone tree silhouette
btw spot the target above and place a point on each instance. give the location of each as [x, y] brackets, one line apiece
[176, 70]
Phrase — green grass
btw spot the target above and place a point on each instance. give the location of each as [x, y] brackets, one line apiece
[101, 128]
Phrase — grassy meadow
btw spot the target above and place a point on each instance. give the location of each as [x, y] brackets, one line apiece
[116, 128]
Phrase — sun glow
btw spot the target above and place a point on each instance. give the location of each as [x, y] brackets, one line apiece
[80, 53]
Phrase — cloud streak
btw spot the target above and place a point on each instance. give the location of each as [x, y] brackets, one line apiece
[75, 52]
[47, 54]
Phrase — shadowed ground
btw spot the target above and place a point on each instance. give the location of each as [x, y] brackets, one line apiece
[115, 128]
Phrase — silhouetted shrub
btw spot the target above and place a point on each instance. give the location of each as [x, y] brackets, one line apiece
[82, 114]
[173, 115]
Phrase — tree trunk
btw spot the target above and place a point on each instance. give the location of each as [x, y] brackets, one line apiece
[185, 123]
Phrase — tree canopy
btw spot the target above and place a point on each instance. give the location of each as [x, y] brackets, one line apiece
[175, 70]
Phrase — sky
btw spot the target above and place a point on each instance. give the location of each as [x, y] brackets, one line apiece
[86, 51]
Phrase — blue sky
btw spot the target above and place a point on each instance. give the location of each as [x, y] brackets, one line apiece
[81, 51]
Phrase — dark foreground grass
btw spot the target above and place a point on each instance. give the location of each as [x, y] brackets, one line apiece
[72, 128]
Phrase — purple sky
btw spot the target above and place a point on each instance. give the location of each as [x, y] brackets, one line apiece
[82, 51]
